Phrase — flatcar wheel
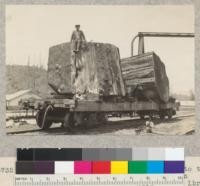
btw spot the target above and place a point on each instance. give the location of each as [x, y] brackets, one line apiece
[162, 116]
[41, 118]
[79, 119]
[68, 121]
[141, 116]
[151, 116]
[101, 118]
[169, 114]
[94, 119]
[91, 120]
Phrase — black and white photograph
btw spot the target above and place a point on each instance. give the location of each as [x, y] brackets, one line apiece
[100, 70]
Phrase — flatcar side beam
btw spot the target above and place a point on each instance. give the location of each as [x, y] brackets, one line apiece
[91, 106]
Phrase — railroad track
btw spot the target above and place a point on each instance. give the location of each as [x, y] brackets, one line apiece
[111, 125]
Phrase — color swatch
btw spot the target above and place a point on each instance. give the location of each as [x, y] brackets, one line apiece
[82, 167]
[155, 167]
[119, 167]
[35, 167]
[49, 154]
[137, 167]
[101, 167]
[64, 167]
[172, 167]
[100, 161]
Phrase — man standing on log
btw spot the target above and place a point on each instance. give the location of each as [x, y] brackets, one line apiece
[77, 39]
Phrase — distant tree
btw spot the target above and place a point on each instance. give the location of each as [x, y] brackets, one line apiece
[192, 95]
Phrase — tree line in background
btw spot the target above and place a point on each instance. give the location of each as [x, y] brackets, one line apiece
[20, 77]
[189, 96]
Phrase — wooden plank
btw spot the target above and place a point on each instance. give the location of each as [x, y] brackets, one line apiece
[136, 70]
[138, 58]
[130, 66]
[139, 81]
[141, 74]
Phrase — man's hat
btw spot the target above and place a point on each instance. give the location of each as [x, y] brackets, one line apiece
[77, 25]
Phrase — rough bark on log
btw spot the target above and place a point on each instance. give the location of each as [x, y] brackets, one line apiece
[95, 70]
[145, 77]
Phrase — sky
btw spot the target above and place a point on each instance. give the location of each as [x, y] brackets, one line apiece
[32, 29]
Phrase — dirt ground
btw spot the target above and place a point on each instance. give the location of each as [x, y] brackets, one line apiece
[183, 123]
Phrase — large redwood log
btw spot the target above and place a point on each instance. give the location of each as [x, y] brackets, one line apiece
[93, 71]
[145, 77]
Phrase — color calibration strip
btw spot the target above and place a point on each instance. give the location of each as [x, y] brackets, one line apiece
[76, 154]
[100, 161]
[100, 167]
